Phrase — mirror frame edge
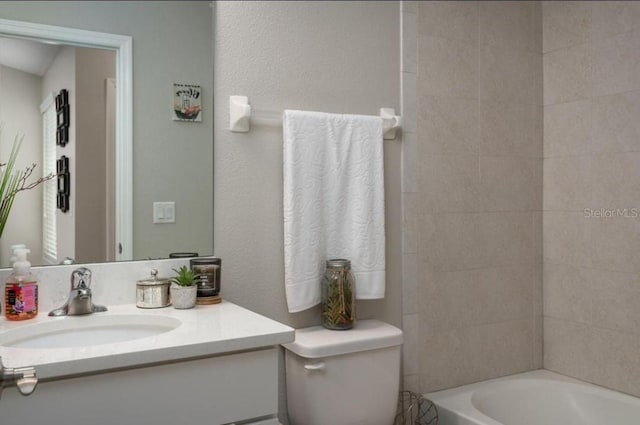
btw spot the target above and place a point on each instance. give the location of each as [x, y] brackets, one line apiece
[123, 47]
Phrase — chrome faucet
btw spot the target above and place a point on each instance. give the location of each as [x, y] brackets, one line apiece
[79, 301]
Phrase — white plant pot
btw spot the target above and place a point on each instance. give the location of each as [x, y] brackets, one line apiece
[183, 297]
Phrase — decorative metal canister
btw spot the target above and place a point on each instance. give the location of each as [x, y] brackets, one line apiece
[338, 295]
[207, 271]
[152, 293]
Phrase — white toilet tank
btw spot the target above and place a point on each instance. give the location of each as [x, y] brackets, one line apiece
[347, 377]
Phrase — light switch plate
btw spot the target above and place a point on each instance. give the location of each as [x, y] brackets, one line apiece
[164, 212]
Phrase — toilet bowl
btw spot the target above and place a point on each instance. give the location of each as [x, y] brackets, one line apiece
[344, 377]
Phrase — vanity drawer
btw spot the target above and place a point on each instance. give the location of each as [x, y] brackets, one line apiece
[216, 390]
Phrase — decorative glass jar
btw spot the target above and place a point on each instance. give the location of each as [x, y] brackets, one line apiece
[338, 296]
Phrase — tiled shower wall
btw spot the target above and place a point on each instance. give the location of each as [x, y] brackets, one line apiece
[592, 167]
[472, 188]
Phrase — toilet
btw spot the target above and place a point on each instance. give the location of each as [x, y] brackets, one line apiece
[347, 377]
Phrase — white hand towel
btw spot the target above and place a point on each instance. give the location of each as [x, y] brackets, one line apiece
[333, 202]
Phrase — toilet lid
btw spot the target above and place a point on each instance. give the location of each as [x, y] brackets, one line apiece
[316, 341]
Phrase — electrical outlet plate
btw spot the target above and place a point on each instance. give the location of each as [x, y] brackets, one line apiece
[164, 212]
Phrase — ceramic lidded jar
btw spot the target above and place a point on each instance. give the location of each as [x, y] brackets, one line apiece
[153, 292]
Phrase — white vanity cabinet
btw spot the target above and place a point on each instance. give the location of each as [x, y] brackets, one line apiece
[219, 390]
[219, 367]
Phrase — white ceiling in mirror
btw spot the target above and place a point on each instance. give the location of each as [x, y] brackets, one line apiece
[26, 55]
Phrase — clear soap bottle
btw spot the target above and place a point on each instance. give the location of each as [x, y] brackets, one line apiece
[21, 289]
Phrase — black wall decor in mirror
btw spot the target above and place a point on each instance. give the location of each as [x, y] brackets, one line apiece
[64, 183]
[62, 111]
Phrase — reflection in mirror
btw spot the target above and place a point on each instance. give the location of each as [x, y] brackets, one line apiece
[61, 101]
[169, 161]
[31, 76]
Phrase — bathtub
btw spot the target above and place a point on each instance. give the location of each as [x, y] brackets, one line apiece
[540, 397]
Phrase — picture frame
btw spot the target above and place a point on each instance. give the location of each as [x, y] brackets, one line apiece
[62, 136]
[64, 183]
[62, 117]
[187, 102]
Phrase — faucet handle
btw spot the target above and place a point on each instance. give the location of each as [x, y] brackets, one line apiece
[81, 278]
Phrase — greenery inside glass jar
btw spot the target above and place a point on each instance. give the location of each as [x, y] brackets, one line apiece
[12, 182]
[338, 296]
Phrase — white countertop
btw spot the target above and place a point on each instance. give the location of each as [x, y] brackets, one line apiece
[206, 330]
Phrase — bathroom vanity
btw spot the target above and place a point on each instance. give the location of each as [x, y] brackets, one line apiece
[208, 365]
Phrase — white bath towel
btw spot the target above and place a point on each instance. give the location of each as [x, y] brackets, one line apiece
[333, 202]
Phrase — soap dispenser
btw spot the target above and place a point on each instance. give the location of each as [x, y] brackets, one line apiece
[21, 289]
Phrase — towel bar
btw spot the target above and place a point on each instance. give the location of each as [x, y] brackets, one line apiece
[241, 116]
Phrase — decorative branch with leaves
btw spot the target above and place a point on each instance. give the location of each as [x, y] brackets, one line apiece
[12, 182]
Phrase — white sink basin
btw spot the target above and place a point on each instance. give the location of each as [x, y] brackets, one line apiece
[84, 331]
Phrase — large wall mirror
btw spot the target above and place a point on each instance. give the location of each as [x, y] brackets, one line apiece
[118, 64]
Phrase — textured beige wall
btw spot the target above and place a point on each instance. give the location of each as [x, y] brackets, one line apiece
[171, 43]
[592, 161]
[479, 191]
[326, 56]
[316, 55]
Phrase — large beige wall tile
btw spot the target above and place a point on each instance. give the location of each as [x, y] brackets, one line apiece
[567, 348]
[614, 17]
[567, 129]
[460, 299]
[474, 354]
[409, 42]
[616, 243]
[566, 238]
[616, 64]
[616, 127]
[409, 102]
[537, 226]
[509, 75]
[538, 324]
[505, 238]
[615, 360]
[411, 383]
[409, 163]
[567, 74]
[479, 149]
[616, 300]
[616, 180]
[538, 343]
[510, 129]
[447, 125]
[447, 68]
[568, 293]
[508, 24]
[411, 338]
[449, 242]
[509, 183]
[410, 223]
[448, 183]
[567, 183]
[454, 20]
[565, 23]
[410, 300]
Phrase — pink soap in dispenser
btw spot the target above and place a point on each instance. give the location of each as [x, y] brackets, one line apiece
[21, 289]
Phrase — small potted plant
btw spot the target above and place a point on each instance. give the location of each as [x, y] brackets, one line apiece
[183, 288]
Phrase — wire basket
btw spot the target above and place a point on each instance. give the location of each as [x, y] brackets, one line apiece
[413, 409]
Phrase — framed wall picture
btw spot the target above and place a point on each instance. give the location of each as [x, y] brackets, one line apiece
[187, 102]
[62, 118]
[64, 183]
